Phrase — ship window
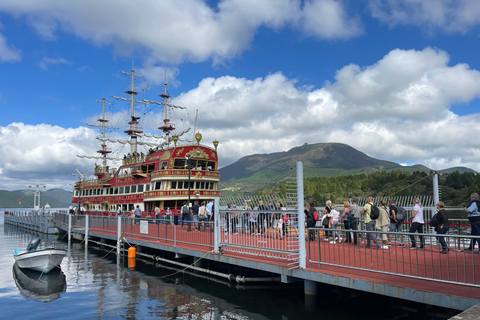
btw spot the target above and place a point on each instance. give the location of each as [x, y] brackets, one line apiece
[163, 165]
[121, 190]
[210, 166]
[179, 163]
[140, 188]
[127, 189]
[157, 185]
[202, 165]
[147, 187]
[115, 190]
[202, 185]
[211, 185]
[174, 184]
[111, 191]
[134, 189]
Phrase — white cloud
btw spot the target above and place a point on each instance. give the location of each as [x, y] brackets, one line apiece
[8, 53]
[46, 62]
[172, 32]
[84, 69]
[397, 109]
[446, 15]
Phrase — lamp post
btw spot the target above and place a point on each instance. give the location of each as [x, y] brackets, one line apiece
[188, 165]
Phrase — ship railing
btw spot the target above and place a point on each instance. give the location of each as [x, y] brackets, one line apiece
[170, 231]
[457, 266]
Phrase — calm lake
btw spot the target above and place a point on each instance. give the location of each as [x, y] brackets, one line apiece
[90, 285]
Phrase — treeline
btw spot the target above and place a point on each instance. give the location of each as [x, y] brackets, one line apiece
[455, 188]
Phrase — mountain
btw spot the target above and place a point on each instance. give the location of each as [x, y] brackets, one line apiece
[56, 198]
[321, 159]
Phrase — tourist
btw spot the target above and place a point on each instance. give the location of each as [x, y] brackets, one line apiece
[417, 224]
[346, 218]
[185, 214]
[383, 222]
[395, 225]
[202, 216]
[137, 213]
[310, 209]
[355, 215]
[473, 210]
[261, 217]
[277, 220]
[156, 211]
[326, 218]
[334, 223]
[443, 226]
[370, 224]
[168, 216]
[195, 219]
[245, 216]
[210, 210]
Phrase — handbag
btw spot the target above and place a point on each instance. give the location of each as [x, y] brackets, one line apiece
[325, 221]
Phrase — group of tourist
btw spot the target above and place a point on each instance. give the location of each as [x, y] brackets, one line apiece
[386, 219]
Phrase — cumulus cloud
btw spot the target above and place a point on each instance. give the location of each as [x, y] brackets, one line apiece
[446, 15]
[46, 62]
[397, 109]
[179, 31]
[8, 53]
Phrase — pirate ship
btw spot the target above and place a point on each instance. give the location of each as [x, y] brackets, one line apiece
[172, 171]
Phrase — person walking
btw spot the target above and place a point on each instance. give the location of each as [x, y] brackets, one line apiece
[137, 213]
[355, 215]
[346, 218]
[370, 224]
[417, 224]
[383, 223]
[395, 225]
[334, 223]
[473, 210]
[443, 226]
[310, 209]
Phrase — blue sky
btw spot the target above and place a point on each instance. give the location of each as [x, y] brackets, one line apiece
[398, 80]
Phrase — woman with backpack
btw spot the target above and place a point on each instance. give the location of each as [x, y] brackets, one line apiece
[326, 218]
[347, 220]
[310, 209]
[334, 223]
[383, 223]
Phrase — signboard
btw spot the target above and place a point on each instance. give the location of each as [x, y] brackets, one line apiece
[144, 226]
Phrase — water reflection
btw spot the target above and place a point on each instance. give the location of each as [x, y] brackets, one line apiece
[44, 287]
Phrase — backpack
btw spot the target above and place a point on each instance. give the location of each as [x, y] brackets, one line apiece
[315, 215]
[434, 221]
[202, 213]
[185, 209]
[374, 212]
[401, 214]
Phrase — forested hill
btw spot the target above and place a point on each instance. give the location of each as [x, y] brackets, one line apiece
[254, 172]
[56, 198]
[455, 187]
[321, 158]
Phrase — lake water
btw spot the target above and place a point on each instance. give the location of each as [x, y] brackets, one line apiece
[91, 286]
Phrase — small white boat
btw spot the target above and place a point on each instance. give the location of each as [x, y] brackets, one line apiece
[42, 260]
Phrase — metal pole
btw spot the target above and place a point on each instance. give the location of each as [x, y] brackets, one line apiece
[119, 234]
[216, 229]
[188, 217]
[436, 193]
[87, 225]
[301, 217]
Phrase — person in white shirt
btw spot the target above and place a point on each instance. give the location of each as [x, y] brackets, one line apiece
[417, 224]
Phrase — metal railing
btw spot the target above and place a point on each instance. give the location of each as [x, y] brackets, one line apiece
[427, 263]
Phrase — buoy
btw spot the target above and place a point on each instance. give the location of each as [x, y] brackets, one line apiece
[132, 252]
[132, 263]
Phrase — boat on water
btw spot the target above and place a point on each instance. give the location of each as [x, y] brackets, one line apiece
[41, 260]
[173, 169]
[43, 287]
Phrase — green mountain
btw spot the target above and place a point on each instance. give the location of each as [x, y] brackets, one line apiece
[56, 198]
[319, 160]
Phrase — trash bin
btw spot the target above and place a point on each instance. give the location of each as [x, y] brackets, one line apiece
[175, 220]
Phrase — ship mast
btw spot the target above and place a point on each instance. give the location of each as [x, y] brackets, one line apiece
[104, 151]
[134, 131]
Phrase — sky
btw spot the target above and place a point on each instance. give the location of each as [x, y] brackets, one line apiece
[396, 79]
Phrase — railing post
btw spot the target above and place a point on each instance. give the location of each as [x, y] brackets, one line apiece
[69, 227]
[216, 225]
[87, 226]
[119, 234]
[301, 217]
[436, 193]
